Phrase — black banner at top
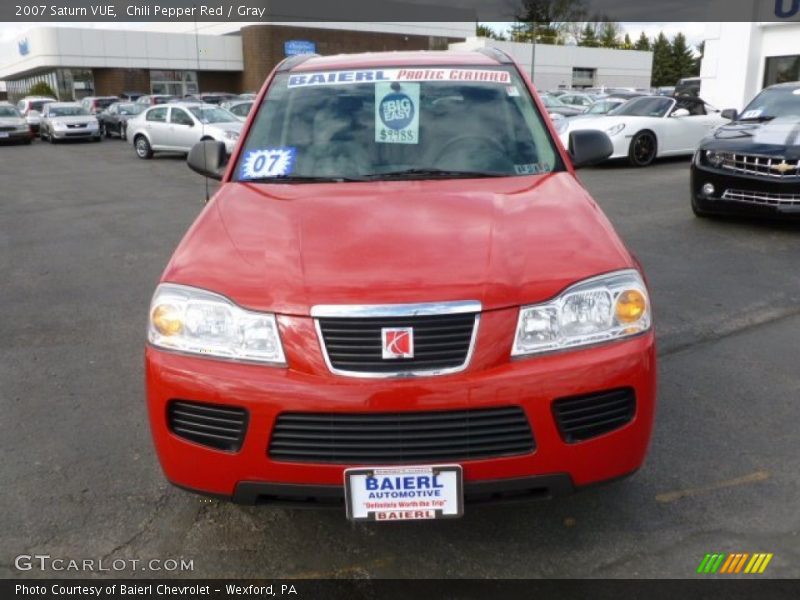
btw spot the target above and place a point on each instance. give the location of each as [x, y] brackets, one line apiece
[399, 10]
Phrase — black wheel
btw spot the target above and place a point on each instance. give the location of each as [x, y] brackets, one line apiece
[99, 138]
[104, 130]
[643, 149]
[51, 138]
[143, 149]
[122, 134]
[28, 141]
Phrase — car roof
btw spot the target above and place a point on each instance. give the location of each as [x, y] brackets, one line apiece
[421, 58]
[57, 104]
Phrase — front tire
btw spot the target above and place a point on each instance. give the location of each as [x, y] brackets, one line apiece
[122, 132]
[643, 149]
[142, 146]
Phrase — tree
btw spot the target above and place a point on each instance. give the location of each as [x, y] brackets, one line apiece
[488, 32]
[609, 35]
[588, 37]
[683, 61]
[643, 43]
[663, 69]
[40, 88]
[627, 44]
[550, 19]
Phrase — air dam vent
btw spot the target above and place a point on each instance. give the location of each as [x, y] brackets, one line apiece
[213, 425]
[396, 438]
[581, 418]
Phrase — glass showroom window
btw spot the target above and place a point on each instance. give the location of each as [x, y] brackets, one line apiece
[781, 69]
[174, 83]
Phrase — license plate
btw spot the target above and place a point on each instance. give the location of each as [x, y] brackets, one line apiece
[3, 134]
[407, 493]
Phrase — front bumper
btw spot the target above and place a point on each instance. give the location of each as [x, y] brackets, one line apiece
[491, 380]
[738, 194]
[16, 136]
[74, 134]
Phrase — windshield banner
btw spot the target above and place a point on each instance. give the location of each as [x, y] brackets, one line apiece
[416, 74]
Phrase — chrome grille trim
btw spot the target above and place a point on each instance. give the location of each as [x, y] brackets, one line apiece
[751, 164]
[762, 198]
[398, 310]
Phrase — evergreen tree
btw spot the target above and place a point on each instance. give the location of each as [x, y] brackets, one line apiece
[643, 43]
[488, 32]
[589, 37]
[608, 35]
[627, 44]
[683, 61]
[663, 65]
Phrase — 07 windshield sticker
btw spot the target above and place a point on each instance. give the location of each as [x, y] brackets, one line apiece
[397, 113]
[388, 75]
[267, 162]
[532, 168]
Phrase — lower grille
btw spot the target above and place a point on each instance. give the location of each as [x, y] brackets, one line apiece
[7, 128]
[765, 198]
[581, 418]
[396, 438]
[216, 426]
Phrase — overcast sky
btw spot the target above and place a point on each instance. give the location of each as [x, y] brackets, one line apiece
[693, 31]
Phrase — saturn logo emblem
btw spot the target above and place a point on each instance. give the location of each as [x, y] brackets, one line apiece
[398, 342]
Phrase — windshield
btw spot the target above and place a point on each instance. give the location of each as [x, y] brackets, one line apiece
[647, 106]
[602, 107]
[772, 103]
[130, 109]
[213, 115]
[8, 111]
[67, 111]
[104, 102]
[396, 124]
[551, 102]
[37, 104]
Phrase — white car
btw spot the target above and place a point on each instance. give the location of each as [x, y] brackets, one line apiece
[179, 126]
[650, 127]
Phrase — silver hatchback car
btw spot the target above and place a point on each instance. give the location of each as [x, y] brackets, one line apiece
[179, 126]
[13, 127]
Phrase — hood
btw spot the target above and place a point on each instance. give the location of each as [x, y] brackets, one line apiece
[779, 137]
[74, 119]
[230, 126]
[503, 242]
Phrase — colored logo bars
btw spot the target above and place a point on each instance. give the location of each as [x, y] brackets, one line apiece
[734, 563]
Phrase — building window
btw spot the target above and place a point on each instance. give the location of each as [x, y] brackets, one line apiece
[780, 69]
[582, 77]
[174, 83]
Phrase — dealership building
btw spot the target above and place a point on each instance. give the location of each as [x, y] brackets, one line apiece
[740, 59]
[185, 58]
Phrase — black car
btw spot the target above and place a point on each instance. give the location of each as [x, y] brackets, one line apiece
[752, 165]
[114, 120]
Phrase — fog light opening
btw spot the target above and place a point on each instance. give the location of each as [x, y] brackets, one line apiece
[708, 189]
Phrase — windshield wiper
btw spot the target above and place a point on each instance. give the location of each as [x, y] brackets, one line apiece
[422, 172]
[300, 179]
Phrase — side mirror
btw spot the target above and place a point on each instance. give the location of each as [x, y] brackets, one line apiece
[730, 114]
[589, 147]
[208, 158]
[680, 112]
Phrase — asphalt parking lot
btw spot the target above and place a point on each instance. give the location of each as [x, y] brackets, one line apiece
[85, 230]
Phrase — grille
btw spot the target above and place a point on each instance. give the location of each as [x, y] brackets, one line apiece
[765, 198]
[7, 128]
[760, 165]
[75, 125]
[442, 343]
[580, 418]
[212, 425]
[395, 438]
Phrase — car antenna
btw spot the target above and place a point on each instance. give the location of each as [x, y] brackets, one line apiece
[202, 122]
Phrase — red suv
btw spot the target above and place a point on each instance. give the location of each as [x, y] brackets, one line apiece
[400, 299]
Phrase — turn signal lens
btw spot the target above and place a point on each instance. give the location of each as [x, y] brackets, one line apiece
[167, 319]
[631, 305]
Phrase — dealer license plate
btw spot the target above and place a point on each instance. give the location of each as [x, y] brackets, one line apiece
[406, 493]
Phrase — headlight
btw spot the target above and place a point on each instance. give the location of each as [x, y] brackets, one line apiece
[715, 159]
[597, 310]
[59, 125]
[190, 320]
[615, 129]
[232, 135]
[561, 125]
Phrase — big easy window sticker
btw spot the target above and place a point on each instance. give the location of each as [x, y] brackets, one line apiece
[267, 162]
[397, 113]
